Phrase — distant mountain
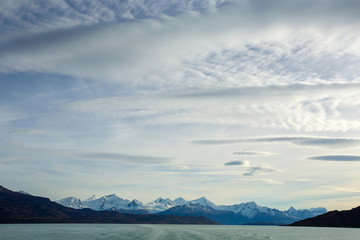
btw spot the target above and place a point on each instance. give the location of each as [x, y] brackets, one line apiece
[195, 209]
[204, 202]
[348, 218]
[104, 203]
[180, 201]
[17, 207]
[305, 213]
[229, 217]
[249, 209]
[243, 213]
[159, 205]
[93, 197]
[72, 202]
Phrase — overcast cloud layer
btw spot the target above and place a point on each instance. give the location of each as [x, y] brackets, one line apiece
[168, 98]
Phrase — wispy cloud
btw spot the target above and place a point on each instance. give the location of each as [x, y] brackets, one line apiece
[260, 180]
[125, 158]
[237, 163]
[251, 153]
[343, 189]
[336, 158]
[264, 169]
[318, 142]
[312, 108]
[26, 131]
[88, 155]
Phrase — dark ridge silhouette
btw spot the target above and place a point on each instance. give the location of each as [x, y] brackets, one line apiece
[347, 218]
[17, 207]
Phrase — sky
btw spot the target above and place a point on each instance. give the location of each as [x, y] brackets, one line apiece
[235, 100]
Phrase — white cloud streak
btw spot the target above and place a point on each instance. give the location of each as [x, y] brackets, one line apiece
[312, 141]
[251, 153]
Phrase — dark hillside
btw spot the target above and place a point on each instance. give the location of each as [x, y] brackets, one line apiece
[348, 218]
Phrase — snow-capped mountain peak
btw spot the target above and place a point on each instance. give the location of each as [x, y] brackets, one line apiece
[71, 202]
[93, 197]
[305, 213]
[135, 204]
[107, 202]
[248, 209]
[251, 204]
[158, 200]
[180, 201]
[164, 201]
[204, 202]
[291, 210]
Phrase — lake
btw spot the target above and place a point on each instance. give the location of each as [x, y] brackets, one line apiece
[171, 232]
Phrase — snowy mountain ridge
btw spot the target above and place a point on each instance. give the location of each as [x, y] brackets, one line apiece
[248, 209]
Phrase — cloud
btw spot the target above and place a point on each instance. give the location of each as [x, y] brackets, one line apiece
[25, 14]
[300, 107]
[26, 131]
[237, 163]
[186, 46]
[337, 158]
[125, 158]
[273, 92]
[254, 170]
[180, 167]
[261, 180]
[8, 114]
[88, 155]
[343, 189]
[318, 142]
[247, 63]
[249, 153]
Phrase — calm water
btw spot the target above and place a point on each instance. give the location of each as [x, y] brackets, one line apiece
[171, 232]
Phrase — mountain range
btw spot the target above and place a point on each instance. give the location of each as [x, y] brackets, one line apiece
[20, 207]
[243, 213]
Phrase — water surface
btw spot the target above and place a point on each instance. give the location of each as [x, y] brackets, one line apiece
[169, 232]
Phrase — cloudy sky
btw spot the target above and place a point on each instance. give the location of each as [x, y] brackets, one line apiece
[235, 100]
